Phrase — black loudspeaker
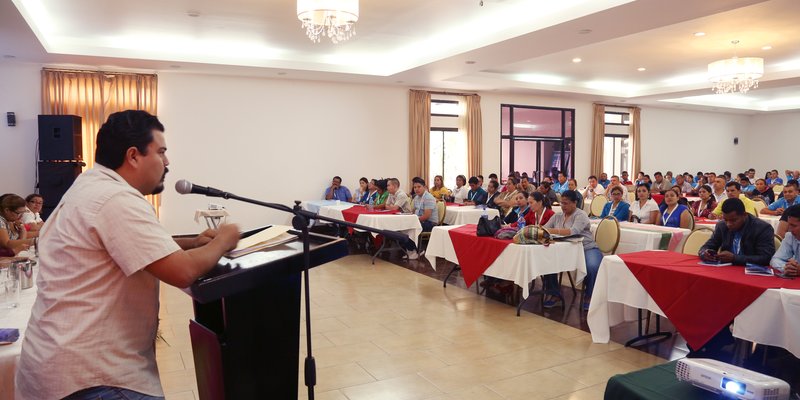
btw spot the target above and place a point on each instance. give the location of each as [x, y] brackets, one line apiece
[11, 118]
[55, 178]
[60, 137]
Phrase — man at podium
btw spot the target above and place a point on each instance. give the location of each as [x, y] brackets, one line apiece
[102, 254]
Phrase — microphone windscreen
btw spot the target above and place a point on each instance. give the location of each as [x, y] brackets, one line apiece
[183, 186]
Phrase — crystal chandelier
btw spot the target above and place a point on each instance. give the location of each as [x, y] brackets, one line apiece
[737, 74]
[335, 19]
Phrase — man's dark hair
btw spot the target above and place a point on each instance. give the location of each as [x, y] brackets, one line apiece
[738, 186]
[733, 205]
[727, 173]
[744, 179]
[793, 182]
[473, 180]
[123, 130]
[337, 177]
[740, 176]
[494, 184]
[418, 180]
[381, 184]
[480, 177]
[658, 173]
[592, 177]
[570, 195]
[751, 170]
[512, 179]
[792, 212]
[625, 172]
[545, 185]
[492, 175]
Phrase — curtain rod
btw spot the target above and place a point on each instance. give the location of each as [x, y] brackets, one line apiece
[95, 71]
[617, 105]
[450, 93]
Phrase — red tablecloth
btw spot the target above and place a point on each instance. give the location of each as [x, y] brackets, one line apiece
[699, 300]
[448, 204]
[475, 253]
[659, 198]
[351, 214]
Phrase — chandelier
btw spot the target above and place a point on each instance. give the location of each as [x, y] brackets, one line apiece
[737, 74]
[335, 19]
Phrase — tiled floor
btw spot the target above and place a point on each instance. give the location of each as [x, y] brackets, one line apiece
[387, 332]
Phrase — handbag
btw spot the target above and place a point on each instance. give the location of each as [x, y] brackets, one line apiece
[488, 227]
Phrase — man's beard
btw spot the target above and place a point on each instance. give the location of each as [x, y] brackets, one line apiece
[160, 188]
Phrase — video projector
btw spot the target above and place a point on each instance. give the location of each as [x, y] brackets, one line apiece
[730, 381]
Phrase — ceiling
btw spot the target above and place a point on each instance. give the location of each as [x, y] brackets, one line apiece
[520, 46]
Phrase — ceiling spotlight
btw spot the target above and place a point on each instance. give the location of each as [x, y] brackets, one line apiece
[399, 81]
[193, 13]
[281, 73]
[766, 48]
[699, 34]
[175, 66]
[469, 62]
[576, 60]
[640, 69]
[584, 31]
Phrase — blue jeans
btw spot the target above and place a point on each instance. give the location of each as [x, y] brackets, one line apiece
[427, 226]
[109, 393]
[593, 259]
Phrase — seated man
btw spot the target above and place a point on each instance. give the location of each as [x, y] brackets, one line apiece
[593, 189]
[747, 186]
[476, 195]
[425, 205]
[603, 181]
[480, 181]
[616, 182]
[774, 179]
[718, 184]
[561, 185]
[742, 239]
[336, 191]
[660, 185]
[792, 175]
[625, 179]
[789, 199]
[526, 187]
[398, 199]
[734, 191]
[548, 193]
[783, 224]
[685, 187]
[787, 258]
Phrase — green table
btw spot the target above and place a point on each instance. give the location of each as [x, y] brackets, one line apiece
[654, 383]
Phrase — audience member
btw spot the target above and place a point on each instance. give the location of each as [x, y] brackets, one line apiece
[382, 194]
[506, 199]
[700, 182]
[603, 181]
[493, 177]
[424, 205]
[32, 217]
[734, 191]
[719, 192]
[593, 189]
[763, 191]
[639, 178]
[741, 239]
[789, 199]
[476, 194]
[660, 185]
[336, 191]
[573, 221]
[539, 211]
[787, 258]
[493, 194]
[520, 209]
[573, 185]
[438, 191]
[525, 186]
[774, 179]
[616, 207]
[706, 204]
[624, 180]
[616, 182]
[681, 200]
[670, 179]
[747, 187]
[398, 200]
[562, 185]
[13, 236]
[480, 182]
[686, 187]
[361, 195]
[674, 214]
[548, 193]
[792, 175]
[644, 210]
[460, 191]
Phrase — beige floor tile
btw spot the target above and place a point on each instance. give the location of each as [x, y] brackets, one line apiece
[417, 341]
[339, 376]
[170, 361]
[531, 359]
[636, 357]
[457, 377]
[188, 395]
[473, 393]
[595, 370]
[337, 355]
[357, 335]
[179, 381]
[402, 363]
[542, 384]
[408, 387]
[595, 392]
[329, 395]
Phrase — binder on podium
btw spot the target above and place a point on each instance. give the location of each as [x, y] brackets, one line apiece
[246, 330]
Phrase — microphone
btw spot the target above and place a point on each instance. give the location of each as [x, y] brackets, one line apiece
[185, 187]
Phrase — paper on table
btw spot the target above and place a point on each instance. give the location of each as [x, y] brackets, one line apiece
[271, 236]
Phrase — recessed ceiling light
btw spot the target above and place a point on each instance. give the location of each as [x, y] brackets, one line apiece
[766, 48]
[469, 62]
[175, 66]
[399, 81]
[576, 60]
[193, 13]
[281, 73]
[584, 31]
[641, 69]
[699, 34]
[623, 101]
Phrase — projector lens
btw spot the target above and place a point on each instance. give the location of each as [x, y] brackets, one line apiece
[732, 386]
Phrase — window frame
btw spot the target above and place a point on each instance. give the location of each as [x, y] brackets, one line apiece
[566, 141]
[444, 102]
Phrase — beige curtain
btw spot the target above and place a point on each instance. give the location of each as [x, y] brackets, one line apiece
[94, 96]
[636, 140]
[419, 133]
[474, 125]
[598, 136]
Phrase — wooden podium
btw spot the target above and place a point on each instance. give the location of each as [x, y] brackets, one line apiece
[246, 330]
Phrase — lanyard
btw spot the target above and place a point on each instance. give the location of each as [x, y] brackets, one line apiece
[665, 217]
[539, 218]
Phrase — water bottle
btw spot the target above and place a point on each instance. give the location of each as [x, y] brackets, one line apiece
[521, 221]
[371, 203]
[484, 214]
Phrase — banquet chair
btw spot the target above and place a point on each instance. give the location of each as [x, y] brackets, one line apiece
[696, 240]
[426, 236]
[607, 238]
[759, 204]
[691, 220]
[778, 241]
[597, 206]
[777, 189]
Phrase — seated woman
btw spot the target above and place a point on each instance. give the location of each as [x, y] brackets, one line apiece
[540, 211]
[493, 190]
[506, 200]
[520, 209]
[573, 221]
[32, 217]
[616, 207]
[573, 185]
[438, 190]
[681, 200]
[460, 191]
[13, 236]
[361, 194]
[644, 210]
[706, 205]
[673, 214]
[763, 191]
[381, 195]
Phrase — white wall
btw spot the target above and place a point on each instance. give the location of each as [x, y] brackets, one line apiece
[691, 141]
[276, 140]
[779, 133]
[19, 93]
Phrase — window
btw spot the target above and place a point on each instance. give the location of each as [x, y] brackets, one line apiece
[617, 156]
[448, 144]
[536, 140]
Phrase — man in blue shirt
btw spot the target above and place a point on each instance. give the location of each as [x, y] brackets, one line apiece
[747, 187]
[787, 256]
[774, 179]
[789, 199]
[476, 194]
[424, 205]
[561, 185]
[336, 191]
[603, 181]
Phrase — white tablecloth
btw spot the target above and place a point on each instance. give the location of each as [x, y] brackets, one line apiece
[773, 220]
[773, 319]
[639, 237]
[462, 215]
[316, 205]
[518, 263]
[404, 223]
[9, 354]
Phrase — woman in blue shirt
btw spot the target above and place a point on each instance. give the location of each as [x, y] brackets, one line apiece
[673, 214]
[520, 209]
[616, 207]
[361, 195]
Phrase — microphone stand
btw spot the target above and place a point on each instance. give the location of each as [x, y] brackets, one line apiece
[300, 221]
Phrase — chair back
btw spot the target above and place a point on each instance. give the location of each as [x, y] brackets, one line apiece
[597, 205]
[441, 209]
[607, 235]
[631, 188]
[759, 204]
[696, 240]
[691, 219]
[631, 197]
[777, 189]
[778, 241]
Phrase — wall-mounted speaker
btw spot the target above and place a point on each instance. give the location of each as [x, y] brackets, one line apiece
[60, 137]
[11, 118]
[735, 140]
